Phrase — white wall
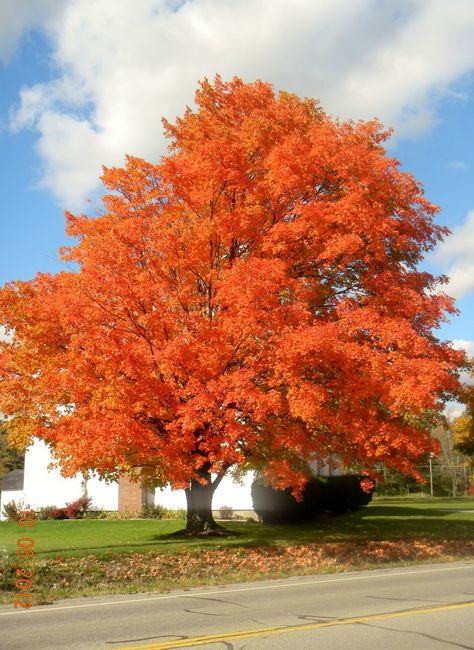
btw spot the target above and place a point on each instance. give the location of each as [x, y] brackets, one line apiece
[46, 487]
[104, 495]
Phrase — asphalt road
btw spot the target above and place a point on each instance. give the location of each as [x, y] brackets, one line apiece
[425, 607]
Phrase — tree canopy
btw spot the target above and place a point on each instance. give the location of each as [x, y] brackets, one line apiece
[463, 425]
[463, 428]
[251, 300]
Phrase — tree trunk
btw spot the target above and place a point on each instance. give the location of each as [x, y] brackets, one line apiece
[454, 482]
[199, 520]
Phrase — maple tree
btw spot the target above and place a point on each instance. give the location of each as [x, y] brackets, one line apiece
[252, 300]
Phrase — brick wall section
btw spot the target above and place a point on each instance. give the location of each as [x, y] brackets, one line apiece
[132, 495]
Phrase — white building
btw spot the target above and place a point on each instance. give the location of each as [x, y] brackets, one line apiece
[43, 486]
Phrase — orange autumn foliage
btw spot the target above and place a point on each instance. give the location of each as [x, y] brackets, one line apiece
[253, 299]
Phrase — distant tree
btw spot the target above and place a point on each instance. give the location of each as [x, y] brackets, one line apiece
[252, 300]
[463, 425]
[10, 458]
[451, 466]
[463, 428]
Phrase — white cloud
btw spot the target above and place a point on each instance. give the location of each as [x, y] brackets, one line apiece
[463, 344]
[468, 346]
[16, 18]
[456, 253]
[123, 65]
[457, 165]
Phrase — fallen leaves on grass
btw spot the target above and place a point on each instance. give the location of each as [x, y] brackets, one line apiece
[156, 571]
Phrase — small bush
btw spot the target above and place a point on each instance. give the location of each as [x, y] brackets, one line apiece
[58, 513]
[11, 510]
[160, 512]
[93, 514]
[45, 512]
[77, 508]
[174, 514]
[226, 512]
[152, 512]
[147, 512]
[125, 514]
[180, 513]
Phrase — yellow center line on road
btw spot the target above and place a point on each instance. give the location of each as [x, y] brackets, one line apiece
[266, 631]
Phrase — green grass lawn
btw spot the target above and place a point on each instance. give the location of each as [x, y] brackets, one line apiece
[383, 519]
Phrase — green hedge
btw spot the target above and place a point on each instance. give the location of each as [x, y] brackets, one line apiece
[336, 494]
[344, 493]
[279, 506]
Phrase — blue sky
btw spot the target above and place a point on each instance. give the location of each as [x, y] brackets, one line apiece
[83, 83]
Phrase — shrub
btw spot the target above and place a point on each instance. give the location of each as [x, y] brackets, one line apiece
[279, 506]
[226, 512]
[125, 514]
[147, 512]
[174, 514]
[93, 514]
[337, 494]
[272, 506]
[77, 508]
[180, 513]
[45, 512]
[12, 510]
[160, 512]
[58, 513]
[344, 493]
[152, 512]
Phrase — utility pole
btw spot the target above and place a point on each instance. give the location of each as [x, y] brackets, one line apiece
[431, 472]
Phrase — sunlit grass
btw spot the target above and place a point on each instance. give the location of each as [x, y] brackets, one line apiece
[383, 519]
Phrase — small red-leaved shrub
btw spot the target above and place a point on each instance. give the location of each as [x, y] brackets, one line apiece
[58, 513]
[77, 508]
[73, 510]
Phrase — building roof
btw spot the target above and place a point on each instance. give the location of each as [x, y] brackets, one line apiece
[12, 480]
